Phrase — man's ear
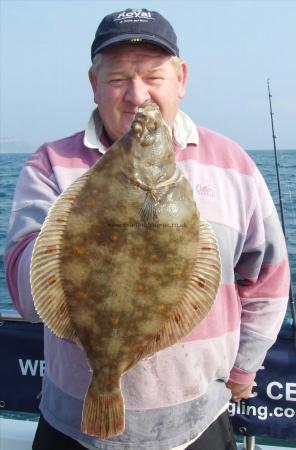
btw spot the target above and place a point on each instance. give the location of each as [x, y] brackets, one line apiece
[93, 80]
[182, 78]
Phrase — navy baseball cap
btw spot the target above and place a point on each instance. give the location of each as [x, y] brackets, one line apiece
[134, 26]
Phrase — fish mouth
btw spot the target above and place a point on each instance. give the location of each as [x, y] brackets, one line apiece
[148, 105]
[147, 123]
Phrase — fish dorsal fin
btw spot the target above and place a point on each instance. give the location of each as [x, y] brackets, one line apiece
[45, 272]
[197, 298]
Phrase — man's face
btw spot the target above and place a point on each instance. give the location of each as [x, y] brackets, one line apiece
[130, 74]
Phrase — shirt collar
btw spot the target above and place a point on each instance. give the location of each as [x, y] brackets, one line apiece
[93, 132]
[184, 132]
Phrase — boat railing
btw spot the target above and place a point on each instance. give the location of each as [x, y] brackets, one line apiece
[11, 316]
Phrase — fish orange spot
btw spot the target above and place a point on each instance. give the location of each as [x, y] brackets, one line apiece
[51, 249]
[194, 306]
[157, 338]
[79, 295]
[115, 321]
[90, 201]
[154, 257]
[140, 287]
[136, 348]
[114, 237]
[177, 317]
[161, 307]
[61, 220]
[179, 273]
[206, 247]
[62, 308]
[201, 282]
[77, 249]
[52, 279]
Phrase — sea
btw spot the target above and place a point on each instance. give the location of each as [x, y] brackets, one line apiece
[11, 164]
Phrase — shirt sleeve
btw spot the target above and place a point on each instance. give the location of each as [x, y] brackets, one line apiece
[35, 192]
[263, 280]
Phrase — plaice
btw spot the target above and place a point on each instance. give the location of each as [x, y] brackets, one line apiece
[124, 264]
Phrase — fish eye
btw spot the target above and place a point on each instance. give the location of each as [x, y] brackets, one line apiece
[137, 128]
[152, 126]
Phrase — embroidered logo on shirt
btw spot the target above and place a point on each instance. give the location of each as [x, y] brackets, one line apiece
[205, 190]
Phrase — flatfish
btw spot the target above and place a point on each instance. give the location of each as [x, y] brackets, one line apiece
[124, 264]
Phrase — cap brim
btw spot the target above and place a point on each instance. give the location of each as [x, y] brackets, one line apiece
[135, 39]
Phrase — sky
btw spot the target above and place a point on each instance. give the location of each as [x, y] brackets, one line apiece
[232, 47]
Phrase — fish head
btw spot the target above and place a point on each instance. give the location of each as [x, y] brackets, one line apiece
[148, 125]
[149, 146]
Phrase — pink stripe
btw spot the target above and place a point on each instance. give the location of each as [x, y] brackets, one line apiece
[222, 318]
[40, 161]
[11, 261]
[72, 157]
[273, 279]
[69, 153]
[217, 150]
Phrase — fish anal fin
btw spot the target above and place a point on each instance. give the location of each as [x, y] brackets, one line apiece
[198, 297]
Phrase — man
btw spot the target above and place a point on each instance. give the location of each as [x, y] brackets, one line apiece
[177, 398]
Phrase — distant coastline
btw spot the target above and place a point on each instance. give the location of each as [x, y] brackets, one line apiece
[27, 151]
[15, 145]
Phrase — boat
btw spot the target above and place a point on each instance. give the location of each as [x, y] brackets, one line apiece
[270, 415]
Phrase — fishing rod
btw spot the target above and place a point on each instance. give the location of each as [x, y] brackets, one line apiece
[291, 295]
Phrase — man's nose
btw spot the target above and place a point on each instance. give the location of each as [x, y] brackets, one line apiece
[137, 91]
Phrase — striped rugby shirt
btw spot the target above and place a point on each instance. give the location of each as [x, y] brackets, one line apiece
[175, 394]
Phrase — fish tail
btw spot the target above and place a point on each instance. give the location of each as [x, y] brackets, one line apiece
[103, 414]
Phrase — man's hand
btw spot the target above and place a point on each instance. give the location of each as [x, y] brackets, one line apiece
[239, 391]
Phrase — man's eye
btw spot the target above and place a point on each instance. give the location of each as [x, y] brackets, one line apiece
[116, 81]
[154, 79]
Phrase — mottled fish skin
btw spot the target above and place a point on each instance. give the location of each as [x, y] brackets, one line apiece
[122, 276]
[130, 274]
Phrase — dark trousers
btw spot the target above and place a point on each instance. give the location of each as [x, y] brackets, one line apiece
[219, 436]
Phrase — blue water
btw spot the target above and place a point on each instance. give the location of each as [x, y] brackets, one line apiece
[10, 166]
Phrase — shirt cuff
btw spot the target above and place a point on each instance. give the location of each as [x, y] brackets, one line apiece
[239, 376]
